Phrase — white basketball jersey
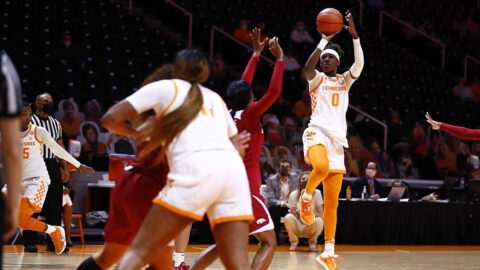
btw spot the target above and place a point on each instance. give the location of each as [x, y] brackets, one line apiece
[329, 104]
[33, 164]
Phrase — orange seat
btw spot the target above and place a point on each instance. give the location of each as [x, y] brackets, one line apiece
[79, 232]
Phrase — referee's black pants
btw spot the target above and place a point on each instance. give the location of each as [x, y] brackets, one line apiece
[52, 208]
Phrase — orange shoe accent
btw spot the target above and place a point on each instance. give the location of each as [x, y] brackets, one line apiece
[306, 211]
[58, 239]
[328, 263]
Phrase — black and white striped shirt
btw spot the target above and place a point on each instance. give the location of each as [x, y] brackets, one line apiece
[10, 88]
[53, 127]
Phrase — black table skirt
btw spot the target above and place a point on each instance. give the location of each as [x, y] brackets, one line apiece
[412, 223]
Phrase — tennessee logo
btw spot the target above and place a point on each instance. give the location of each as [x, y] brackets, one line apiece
[310, 133]
[260, 221]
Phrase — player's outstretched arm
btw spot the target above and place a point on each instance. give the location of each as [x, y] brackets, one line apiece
[258, 47]
[312, 61]
[116, 119]
[357, 66]
[461, 132]
[44, 137]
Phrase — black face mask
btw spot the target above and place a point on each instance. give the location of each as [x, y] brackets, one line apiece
[284, 172]
[47, 108]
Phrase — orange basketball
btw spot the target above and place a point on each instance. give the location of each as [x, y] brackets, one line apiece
[329, 21]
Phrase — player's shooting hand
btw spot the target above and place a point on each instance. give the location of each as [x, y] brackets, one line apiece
[331, 36]
[86, 170]
[435, 124]
[276, 49]
[351, 25]
[257, 44]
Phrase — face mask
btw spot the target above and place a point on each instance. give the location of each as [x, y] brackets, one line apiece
[243, 26]
[47, 108]
[303, 184]
[284, 172]
[370, 173]
[300, 28]
[263, 159]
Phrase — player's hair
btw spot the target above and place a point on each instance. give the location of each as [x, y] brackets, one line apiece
[26, 104]
[335, 47]
[238, 95]
[192, 66]
[163, 72]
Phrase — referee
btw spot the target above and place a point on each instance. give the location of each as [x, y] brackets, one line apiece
[52, 208]
[10, 107]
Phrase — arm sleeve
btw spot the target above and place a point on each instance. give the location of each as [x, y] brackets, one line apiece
[462, 132]
[254, 111]
[249, 71]
[46, 139]
[156, 96]
[357, 66]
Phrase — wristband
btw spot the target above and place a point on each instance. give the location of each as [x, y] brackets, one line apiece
[323, 43]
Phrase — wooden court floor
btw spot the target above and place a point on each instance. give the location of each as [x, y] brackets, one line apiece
[354, 257]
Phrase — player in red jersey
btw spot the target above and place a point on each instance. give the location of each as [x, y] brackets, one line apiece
[461, 132]
[239, 99]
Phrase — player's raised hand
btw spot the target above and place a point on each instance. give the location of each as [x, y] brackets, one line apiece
[276, 49]
[435, 124]
[257, 44]
[351, 25]
[84, 169]
[331, 36]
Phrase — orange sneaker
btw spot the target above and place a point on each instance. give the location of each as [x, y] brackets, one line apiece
[58, 239]
[328, 263]
[306, 211]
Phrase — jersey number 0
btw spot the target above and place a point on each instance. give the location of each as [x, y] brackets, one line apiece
[335, 99]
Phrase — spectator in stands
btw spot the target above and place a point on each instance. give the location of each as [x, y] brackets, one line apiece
[242, 33]
[463, 91]
[291, 64]
[283, 153]
[383, 160]
[70, 123]
[397, 132]
[445, 160]
[300, 35]
[290, 132]
[406, 170]
[93, 151]
[302, 108]
[266, 164]
[375, 190]
[462, 156]
[216, 66]
[277, 191]
[68, 54]
[93, 113]
[281, 107]
[420, 141]
[360, 155]
[351, 166]
[293, 223]
[475, 163]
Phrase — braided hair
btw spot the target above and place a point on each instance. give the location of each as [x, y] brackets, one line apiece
[335, 47]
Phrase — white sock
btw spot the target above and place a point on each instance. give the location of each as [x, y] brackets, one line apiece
[178, 258]
[50, 229]
[306, 197]
[329, 250]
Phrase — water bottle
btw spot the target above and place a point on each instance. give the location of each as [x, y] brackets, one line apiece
[349, 193]
[364, 193]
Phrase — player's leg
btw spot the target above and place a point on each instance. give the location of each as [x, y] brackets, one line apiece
[181, 243]
[317, 154]
[206, 258]
[110, 254]
[331, 190]
[268, 245]
[67, 221]
[232, 244]
[163, 259]
[158, 229]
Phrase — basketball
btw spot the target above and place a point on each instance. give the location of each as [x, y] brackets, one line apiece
[329, 21]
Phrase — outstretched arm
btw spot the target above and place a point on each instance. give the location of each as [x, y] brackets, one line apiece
[315, 56]
[257, 50]
[461, 132]
[44, 137]
[357, 66]
[255, 110]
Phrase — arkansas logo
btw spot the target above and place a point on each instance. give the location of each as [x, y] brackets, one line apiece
[260, 221]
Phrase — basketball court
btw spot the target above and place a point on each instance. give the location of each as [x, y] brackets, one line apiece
[354, 257]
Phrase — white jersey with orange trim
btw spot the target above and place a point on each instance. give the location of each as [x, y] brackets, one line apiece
[329, 104]
[33, 140]
[210, 131]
